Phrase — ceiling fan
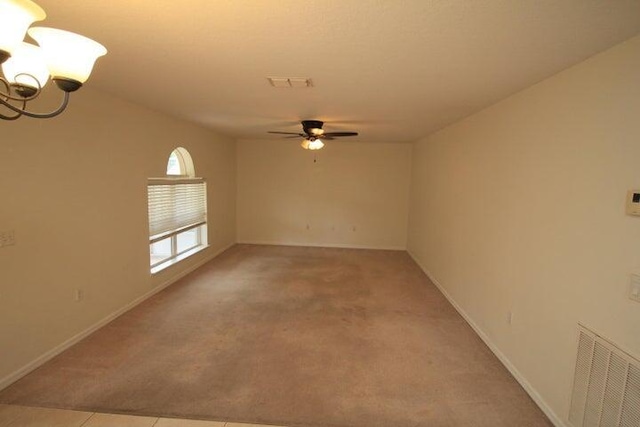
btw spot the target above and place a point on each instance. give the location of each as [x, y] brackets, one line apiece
[312, 133]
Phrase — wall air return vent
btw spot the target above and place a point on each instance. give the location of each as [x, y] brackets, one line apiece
[606, 387]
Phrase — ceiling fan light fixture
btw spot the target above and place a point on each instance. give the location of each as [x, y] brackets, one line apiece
[316, 144]
[312, 144]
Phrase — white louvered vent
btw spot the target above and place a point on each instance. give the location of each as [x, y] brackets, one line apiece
[606, 387]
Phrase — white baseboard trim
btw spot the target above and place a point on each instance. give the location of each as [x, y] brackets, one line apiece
[321, 245]
[39, 361]
[542, 404]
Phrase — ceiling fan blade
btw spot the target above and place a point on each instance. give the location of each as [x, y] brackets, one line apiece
[286, 133]
[325, 137]
[336, 134]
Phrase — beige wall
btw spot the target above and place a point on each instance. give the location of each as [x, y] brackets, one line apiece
[351, 186]
[521, 208]
[74, 190]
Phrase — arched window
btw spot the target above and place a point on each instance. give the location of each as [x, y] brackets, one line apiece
[177, 212]
[180, 163]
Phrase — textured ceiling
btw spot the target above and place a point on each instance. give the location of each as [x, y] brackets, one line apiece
[394, 70]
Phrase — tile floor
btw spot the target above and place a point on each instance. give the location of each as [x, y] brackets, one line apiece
[29, 416]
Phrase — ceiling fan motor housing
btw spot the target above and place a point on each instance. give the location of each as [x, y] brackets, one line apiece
[309, 125]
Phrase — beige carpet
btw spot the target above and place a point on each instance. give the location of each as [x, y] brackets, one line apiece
[290, 336]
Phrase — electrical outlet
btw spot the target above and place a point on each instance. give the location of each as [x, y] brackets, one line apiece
[7, 238]
[509, 317]
[79, 295]
[634, 288]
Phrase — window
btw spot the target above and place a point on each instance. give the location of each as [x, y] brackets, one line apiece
[173, 166]
[177, 212]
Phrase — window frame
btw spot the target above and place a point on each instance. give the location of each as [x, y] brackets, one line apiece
[186, 177]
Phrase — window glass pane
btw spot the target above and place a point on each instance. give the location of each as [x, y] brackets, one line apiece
[160, 250]
[188, 239]
[173, 165]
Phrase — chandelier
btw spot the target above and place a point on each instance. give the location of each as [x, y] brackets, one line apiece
[65, 57]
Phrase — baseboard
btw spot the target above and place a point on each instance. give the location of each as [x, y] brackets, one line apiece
[553, 417]
[39, 361]
[322, 245]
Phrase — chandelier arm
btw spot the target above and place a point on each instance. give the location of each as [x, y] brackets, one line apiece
[33, 92]
[7, 89]
[4, 99]
[14, 117]
[23, 111]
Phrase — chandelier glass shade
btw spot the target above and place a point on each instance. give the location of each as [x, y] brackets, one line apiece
[67, 58]
[26, 57]
[15, 18]
[68, 55]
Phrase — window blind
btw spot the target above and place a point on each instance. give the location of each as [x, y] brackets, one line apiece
[175, 205]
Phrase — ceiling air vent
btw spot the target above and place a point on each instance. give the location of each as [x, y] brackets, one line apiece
[290, 82]
[606, 387]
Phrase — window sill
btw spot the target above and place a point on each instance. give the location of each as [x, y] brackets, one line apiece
[158, 268]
